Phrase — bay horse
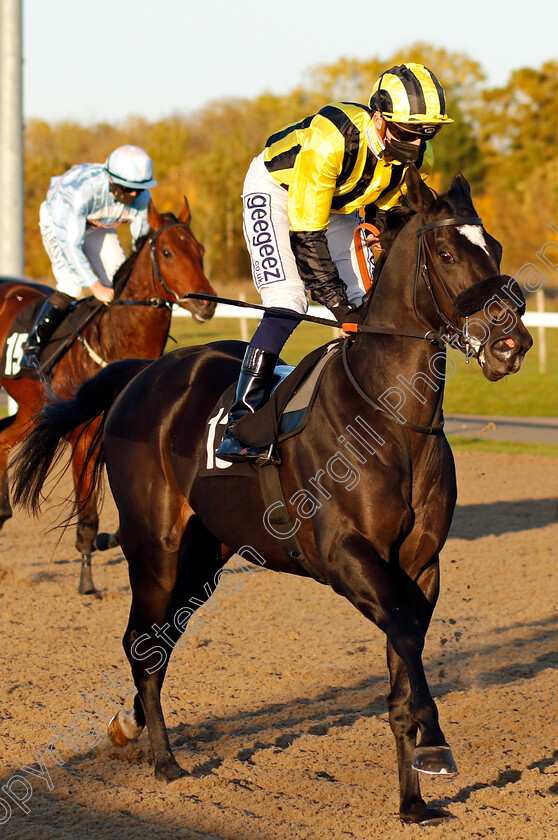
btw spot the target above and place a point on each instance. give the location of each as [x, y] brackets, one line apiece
[166, 265]
[376, 541]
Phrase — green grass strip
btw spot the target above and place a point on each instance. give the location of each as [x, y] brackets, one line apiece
[508, 447]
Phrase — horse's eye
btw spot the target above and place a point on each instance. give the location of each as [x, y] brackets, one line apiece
[166, 253]
[445, 256]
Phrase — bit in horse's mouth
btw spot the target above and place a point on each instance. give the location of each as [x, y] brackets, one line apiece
[199, 318]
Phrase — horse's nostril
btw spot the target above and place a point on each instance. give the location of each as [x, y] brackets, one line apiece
[510, 342]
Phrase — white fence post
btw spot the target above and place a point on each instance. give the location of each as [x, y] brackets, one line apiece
[542, 333]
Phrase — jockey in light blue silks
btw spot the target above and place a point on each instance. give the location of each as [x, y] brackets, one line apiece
[77, 222]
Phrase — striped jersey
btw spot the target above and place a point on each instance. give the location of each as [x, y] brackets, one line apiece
[332, 162]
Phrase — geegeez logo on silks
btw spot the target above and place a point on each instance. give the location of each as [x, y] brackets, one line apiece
[266, 262]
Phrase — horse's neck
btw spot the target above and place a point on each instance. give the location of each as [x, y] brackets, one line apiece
[137, 330]
[139, 285]
[400, 370]
[392, 302]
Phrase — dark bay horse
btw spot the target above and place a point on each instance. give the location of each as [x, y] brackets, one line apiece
[167, 266]
[374, 539]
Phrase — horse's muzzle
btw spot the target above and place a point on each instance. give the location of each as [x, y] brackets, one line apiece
[202, 310]
[502, 355]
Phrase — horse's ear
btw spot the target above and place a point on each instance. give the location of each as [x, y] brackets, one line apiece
[420, 197]
[185, 215]
[153, 216]
[460, 185]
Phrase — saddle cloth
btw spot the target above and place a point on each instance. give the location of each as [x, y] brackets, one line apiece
[283, 416]
[78, 315]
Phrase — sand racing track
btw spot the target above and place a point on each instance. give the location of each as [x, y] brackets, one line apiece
[280, 719]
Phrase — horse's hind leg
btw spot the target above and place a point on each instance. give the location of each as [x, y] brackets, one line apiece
[5, 506]
[167, 589]
[12, 431]
[87, 513]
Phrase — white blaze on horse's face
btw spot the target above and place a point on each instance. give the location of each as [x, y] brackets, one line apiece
[474, 234]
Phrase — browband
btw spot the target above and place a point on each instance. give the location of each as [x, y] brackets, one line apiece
[456, 220]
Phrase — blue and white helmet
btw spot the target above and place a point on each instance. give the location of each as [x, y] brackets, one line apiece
[131, 167]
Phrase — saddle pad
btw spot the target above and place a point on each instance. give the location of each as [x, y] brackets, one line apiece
[78, 315]
[17, 336]
[283, 416]
[286, 411]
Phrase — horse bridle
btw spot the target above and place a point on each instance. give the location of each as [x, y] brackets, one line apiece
[443, 336]
[422, 270]
[156, 275]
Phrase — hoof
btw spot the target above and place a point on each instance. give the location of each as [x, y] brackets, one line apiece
[434, 761]
[168, 770]
[421, 813]
[90, 590]
[123, 729]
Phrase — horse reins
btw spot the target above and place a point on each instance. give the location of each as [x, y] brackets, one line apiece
[441, 336]
[155, 302]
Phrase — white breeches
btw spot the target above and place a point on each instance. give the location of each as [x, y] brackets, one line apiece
[266, 230]
[101, 247]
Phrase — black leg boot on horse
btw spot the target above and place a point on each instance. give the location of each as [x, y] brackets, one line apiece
[49, 318]
[252, 392]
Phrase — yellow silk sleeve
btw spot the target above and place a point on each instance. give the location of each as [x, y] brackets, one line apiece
[316, 170]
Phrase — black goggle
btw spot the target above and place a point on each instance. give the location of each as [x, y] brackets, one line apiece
[406, 133]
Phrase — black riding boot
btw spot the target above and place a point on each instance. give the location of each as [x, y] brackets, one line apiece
[252, 392]
[51, 315]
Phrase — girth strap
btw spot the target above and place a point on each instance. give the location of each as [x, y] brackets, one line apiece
[280, 520]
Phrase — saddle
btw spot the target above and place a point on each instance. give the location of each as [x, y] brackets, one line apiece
[78, 316]
[283, 416]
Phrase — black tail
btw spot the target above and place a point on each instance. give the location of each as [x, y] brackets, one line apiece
[43, 446]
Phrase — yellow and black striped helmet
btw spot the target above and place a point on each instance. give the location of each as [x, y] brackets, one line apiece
[410, 93]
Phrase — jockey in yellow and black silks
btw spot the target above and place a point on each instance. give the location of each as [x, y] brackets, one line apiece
[303, 196]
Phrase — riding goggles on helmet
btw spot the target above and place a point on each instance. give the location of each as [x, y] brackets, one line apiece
[408, 133]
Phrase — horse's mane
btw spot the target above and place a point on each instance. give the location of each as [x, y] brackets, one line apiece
[123, 272]
[391, 223]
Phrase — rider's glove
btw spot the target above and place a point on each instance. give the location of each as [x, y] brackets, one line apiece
[346, 313]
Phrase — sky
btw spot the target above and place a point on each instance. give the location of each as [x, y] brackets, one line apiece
[106, 60]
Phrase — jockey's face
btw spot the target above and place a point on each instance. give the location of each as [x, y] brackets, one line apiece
[380, 125]
[125, 195]
[412, 134]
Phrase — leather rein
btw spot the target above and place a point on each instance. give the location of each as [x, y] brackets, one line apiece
[157, 277]
[447, 333]
[156, 302]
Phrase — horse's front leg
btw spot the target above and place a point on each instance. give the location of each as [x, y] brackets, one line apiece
[427, 758]
[385, 595]
[86, 507]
